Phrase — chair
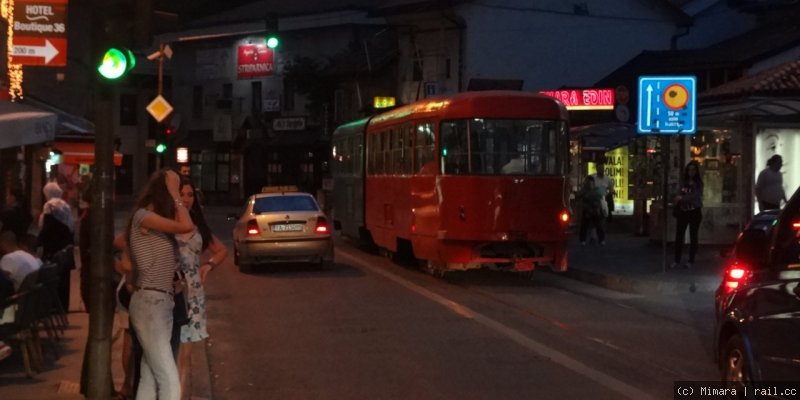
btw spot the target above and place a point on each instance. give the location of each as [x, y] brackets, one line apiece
[21, 331]
[49, 275]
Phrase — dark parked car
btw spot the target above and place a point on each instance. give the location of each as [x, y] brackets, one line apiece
[758, 302]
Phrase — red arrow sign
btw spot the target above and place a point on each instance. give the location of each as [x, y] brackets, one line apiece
[40, 33]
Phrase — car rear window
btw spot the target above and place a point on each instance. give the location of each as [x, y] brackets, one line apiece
[283, 204]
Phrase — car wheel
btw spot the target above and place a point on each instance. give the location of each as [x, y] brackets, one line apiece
[734, 364]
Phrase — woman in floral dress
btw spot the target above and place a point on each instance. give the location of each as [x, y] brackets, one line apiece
[192, 246]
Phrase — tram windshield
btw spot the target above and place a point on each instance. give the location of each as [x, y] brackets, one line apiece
[500, 147]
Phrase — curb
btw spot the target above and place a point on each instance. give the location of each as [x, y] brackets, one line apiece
[644, 285]
[201, 371]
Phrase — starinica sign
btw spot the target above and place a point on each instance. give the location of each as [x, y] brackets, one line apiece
[254, 61]
[40, 33]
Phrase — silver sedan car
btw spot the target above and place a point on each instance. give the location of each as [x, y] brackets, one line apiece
[282, 225]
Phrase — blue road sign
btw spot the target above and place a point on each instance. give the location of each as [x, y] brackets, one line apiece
[667, 105]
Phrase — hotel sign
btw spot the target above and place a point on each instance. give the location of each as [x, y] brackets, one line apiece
[40, 33]
[254, 61]
[584, 99]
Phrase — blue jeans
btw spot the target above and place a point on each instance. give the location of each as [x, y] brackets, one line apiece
[151, 315]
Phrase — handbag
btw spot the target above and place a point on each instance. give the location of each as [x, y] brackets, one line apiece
[180, 313]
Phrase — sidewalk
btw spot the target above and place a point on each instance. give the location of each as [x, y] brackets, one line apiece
[631, 263]
[61, 378]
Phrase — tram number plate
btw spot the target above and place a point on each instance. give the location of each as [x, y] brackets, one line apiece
[287, 227]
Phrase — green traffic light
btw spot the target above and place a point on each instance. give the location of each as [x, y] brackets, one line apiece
[161, 148]
[273, 42]
[116, 62]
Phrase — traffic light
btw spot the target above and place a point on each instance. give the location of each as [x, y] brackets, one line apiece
[116, 62]
[272, 38]
[273, 41]
[161, 148]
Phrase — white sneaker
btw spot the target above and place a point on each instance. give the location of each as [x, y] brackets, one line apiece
[5, 351]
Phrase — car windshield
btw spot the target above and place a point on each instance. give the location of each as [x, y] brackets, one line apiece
[283, 204]
[499, 147]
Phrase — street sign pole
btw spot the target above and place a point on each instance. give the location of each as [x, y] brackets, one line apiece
[665, 146]
[667, 106]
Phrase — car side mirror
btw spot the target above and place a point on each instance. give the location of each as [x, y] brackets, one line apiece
[232, 217]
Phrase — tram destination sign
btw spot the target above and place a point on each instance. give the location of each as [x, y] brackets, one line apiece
[667, 105]
[40, 33]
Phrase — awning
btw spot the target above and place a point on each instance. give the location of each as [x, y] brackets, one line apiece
[81, 153]
[21, 125]
[604, 137]
[772, 108]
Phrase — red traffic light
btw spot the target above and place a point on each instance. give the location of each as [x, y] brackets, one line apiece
[169, 131]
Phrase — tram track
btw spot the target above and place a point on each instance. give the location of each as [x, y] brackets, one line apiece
[615, 348]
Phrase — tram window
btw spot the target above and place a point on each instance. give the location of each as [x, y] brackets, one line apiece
[371, 154]
[424, 149]
[408, 149]
[386, 140]
[454, 147]
[348, 155]
[513, 147]
[358, 156]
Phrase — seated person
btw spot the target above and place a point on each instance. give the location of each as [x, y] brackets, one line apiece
[515, 166]
[16, 263]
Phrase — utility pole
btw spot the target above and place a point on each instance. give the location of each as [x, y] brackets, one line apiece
[101, 217]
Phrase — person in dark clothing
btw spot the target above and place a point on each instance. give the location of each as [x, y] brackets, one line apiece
[591, 211]
[16, 217]
[688, 211]
[56, 234]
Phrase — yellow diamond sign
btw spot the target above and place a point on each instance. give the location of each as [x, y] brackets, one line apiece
[159, 108]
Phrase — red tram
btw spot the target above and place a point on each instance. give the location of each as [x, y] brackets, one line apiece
[464, 181]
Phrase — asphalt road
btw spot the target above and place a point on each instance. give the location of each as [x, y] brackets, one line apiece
[373, 329]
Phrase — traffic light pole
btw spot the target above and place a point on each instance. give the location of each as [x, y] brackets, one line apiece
[101, 217]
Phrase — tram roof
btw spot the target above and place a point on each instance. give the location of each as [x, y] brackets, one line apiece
[485, 104]
[354, 126]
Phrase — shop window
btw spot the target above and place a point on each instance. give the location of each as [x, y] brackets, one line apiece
[720, 161]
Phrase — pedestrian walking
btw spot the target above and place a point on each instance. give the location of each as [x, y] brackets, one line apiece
[769, 185]
[56, 229]
[591, 211]
[191, 247]
[606, 186]
[688, 210]
[159, 215]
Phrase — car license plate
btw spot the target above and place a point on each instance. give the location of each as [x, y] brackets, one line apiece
[287, 227]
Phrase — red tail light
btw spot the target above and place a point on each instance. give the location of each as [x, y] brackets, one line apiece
[252, 228]
[564, 216]
[322, 225]
[735, 276]
[796, 224]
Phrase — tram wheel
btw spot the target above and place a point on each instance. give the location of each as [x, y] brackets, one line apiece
[433, 269]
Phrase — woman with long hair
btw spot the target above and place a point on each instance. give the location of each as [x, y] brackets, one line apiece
[191, 247]
[689, 212]
[159, 214]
